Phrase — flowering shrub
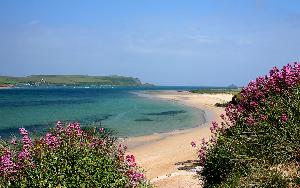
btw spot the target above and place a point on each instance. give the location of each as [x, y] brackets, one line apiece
[258, 142]
[67, 157]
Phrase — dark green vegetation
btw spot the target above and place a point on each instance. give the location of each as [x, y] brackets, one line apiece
[258, 143]
[221, 104]
[232, 91]
[70, 80]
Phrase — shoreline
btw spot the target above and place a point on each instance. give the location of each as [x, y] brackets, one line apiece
[208, 117]
[164, 155]
[6, 87]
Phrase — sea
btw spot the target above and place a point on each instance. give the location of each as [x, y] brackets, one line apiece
[127, 111]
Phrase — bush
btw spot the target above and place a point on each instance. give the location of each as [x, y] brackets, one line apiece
[221, 104]
[67, 157]
[257, 144]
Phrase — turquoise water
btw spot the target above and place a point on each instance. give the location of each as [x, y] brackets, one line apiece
[119, 109]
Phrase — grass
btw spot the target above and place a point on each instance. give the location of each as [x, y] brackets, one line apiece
[71, 80]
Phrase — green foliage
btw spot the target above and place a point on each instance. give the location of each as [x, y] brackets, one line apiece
[217, 91]
[72, 80]
[261, 145]
[218, 165]
[242, 150]
[264, 177]
[68, 157]
[71, 167]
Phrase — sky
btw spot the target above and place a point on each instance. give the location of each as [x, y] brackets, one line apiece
[165, 42]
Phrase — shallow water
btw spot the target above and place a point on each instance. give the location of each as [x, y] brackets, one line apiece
[119, 109]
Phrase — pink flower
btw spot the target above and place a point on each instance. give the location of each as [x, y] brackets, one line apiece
[202, 155]
[101, 130]
[213, 140]
[263, 117]
[258, 90]
[253, 104]
[130, 159]
[23, 131]
[7, 166]
[135, 176]
[284, 118]
[193, 144]
[24, 155]
[52, 141]
[250, 120]
[254, 100]
[74, 128]
[214, 127]
[59, 125]
[25, 137]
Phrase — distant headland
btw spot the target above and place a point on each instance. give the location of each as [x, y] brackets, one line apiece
[70, 80]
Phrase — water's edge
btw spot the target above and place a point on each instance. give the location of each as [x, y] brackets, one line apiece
[207, 115]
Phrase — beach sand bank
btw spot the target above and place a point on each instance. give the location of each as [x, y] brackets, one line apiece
[6, 86]
[168, 157]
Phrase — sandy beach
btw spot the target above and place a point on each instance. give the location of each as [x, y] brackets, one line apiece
[168, 158]
[2, 87]
[6, 86]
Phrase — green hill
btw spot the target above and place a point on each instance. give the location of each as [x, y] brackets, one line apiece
[70, 80]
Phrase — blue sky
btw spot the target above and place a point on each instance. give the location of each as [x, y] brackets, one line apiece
[166, 42]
